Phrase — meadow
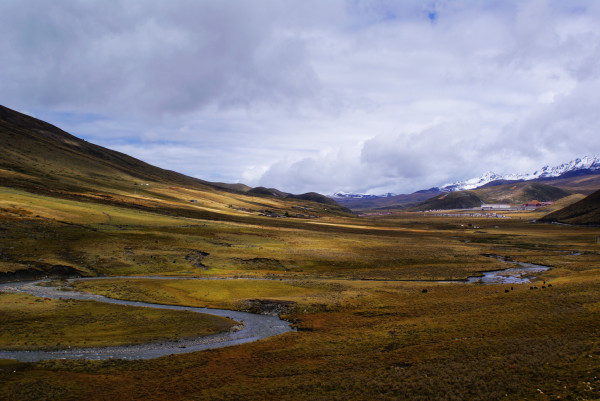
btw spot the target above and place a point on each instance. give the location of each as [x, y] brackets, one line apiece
[354, 289]
[31, 323]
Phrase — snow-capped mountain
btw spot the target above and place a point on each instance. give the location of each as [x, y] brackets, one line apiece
[585, 163]
[472, 183]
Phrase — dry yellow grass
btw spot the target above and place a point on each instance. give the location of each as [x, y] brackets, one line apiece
[364, 333]
[202, 293]
[28, 322]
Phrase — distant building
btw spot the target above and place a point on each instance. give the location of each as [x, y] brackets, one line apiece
[536, 203]
[495, 206]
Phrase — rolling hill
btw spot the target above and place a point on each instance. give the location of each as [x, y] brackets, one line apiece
[521, 192]
[584, 212]
[511, 193]
[37, 154]
[498, 191]
[41, 158]
[452, 200]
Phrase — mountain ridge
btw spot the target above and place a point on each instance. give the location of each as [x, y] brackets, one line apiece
[586, 163]
[579, 175]
[42, 158]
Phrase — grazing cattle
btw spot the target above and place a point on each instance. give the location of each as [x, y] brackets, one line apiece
[543, 286]
[424, 290]
[506, 290]
[531, 288]
[549, 285]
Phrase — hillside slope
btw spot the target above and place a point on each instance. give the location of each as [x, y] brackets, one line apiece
[585, 182]
[451, 200]
[584, 212]
[37, 153]
[511, 193]
[521, 192]
[41, 158]
[500, 191]
[309, 196]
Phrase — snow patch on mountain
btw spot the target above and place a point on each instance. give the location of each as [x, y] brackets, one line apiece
[585, 163]
[472, 183]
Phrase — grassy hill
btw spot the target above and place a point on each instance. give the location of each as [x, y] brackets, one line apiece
[521, 192]
[512, 192]
[36, 154]
[581, 182]
[41, 158]
[373, 322]
[561, 203]
[309, 196]
[584, 212]
[316, 197]
[451, 200]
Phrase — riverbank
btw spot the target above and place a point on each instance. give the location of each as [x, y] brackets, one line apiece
[251, 327]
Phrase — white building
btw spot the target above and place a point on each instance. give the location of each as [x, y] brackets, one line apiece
[495, 206]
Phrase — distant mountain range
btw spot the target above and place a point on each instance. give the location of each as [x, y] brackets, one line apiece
[578, 166]
[349, 195]
[581, 176]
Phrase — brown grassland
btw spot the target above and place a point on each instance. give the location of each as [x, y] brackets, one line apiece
[366, 329]
[31, 323]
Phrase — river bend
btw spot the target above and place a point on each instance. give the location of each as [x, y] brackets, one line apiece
[253, 327]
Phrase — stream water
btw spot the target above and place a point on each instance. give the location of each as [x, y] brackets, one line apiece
[521, 273]
[254, 327]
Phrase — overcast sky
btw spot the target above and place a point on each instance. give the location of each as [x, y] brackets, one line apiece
[313, 95]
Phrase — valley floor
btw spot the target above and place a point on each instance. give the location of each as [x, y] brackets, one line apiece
[364, 329]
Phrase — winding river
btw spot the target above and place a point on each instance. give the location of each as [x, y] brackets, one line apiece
[520, 274]
[253, 326]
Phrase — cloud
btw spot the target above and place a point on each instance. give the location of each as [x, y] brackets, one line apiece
[357, 95]
[562, 129]
[173, 58]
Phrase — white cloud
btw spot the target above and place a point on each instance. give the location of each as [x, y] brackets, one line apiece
[312, 95]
